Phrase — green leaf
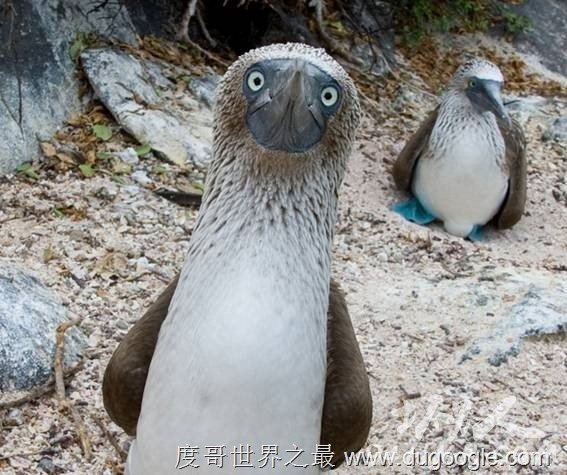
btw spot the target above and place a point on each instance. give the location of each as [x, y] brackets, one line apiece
[87, 170]
[78, 46]
[57, 213]
[48, 254]
[198, 185]
[143, 150]
[103, 155]
[103, 132]
[28, 170]
[160, 169]
[118, 179]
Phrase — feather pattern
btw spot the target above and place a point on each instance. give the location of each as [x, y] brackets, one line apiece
[464, 166]
[237, 360]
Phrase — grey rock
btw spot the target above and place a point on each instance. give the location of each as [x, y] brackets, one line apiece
[143, 102]
[38, 88]
[128, 156]
[204, 89]
[523, 108]
[540, 312]
[374, 62]
[374, 20]
[29, 316]
[46, 465]
[557, 130]
[547, 37]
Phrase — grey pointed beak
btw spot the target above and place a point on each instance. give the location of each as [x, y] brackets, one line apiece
[486, 96]
[285, 117]
[295, 87]
[494, 98]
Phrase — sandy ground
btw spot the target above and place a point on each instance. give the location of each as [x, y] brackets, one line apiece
[417, 297]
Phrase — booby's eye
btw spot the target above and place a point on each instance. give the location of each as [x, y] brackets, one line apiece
[472, 82]
[255, 81]
[329, 96]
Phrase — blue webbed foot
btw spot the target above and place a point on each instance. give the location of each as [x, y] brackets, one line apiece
[477, 233]
[413, 211]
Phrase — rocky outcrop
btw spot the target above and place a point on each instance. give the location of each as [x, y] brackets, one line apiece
[177, 125]
[546, 38]
[38, 87]
[557, 130]
[29, 316]
[541, 312]
[38, 90]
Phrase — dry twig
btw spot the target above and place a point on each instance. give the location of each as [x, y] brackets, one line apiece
[183, 32]
[331, 44]
[207, 53]
[121, 453]
[60, 386]
[23, 454]
[39, 391]
[204, 29]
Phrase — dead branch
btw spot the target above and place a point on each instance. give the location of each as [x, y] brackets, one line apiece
[330, 43]
[204, 29]
[121, 453]
[64, 403]
[183, 32]
[23, 454]
[207, 53]
[39, 391]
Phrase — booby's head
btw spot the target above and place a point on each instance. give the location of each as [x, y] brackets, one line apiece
[482, 82]
[286, 99]
[290, 101]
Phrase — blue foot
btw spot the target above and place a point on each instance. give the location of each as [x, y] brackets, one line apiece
[477, 233]
[413, 211]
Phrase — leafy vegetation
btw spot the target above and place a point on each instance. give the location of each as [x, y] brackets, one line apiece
[28, 170]
[417, 19]
[143, 150]
[78, 46]
[103, 132]
[87, 170]
[514, 23]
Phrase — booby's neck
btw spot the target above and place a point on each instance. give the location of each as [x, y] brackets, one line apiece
[457, 118]
[241, 357]
[457, 108]
[253, 201]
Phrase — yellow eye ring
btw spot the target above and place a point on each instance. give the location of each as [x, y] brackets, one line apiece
[255, 81]
[329, 96]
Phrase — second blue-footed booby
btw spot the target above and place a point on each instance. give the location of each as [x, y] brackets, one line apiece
[466, 165]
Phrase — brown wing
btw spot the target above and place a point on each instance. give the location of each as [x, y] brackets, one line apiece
[126, 373]
[347, 410]
[515, 202]
[405, 164]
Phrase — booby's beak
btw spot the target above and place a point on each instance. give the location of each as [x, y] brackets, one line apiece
[287, 106]
[485, 96]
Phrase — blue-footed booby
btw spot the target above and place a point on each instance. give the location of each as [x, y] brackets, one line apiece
[466, 165]
[253, 344]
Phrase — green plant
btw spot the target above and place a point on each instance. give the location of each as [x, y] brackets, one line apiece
[29, 170]
[417, 19]
[514, 23]
[79, 45]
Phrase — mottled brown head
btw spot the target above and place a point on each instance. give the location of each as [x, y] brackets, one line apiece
[286, 99]
[482, 83]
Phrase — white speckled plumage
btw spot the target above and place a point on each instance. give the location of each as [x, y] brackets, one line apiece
[462, 176]
[244, 363]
